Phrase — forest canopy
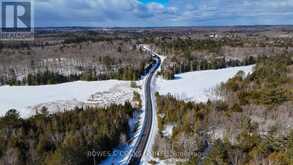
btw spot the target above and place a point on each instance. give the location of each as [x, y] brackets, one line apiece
[62, 138]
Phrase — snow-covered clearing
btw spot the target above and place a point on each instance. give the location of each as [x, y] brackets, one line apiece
[168, 130]
[198, 86]
[172, 161]
[29, 99]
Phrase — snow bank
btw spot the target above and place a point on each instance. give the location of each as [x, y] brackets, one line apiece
[27, 99]
[197, 86]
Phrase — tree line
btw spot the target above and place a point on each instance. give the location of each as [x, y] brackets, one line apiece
[49, 77]
[197, 64]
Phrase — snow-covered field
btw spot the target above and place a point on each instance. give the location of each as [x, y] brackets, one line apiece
[198, 86]
[28, 99]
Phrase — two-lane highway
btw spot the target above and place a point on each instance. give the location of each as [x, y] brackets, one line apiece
[147, 128]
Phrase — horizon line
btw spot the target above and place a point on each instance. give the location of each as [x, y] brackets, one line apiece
[205, 26]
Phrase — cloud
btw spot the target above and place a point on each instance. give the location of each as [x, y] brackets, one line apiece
[82, 12]
[155, 7]
[176, 12]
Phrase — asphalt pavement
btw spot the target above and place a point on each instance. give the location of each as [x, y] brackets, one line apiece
[144, 137]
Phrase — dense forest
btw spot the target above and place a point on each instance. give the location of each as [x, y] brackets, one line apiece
[188, 44]
[185, 60]
[62, 138]
[189, 53]
[269, 84]
[251, 125]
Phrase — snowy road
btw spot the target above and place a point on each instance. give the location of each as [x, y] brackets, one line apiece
[144, 138]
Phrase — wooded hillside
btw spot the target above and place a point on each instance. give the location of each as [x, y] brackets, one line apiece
[84, 56]
[253, 124]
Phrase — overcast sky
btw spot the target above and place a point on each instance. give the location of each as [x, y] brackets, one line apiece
[152, 13]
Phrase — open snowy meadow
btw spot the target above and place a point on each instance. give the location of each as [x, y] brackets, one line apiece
[29, 99]
[198, 86]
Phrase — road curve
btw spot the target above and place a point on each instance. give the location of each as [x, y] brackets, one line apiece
[144, 137]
